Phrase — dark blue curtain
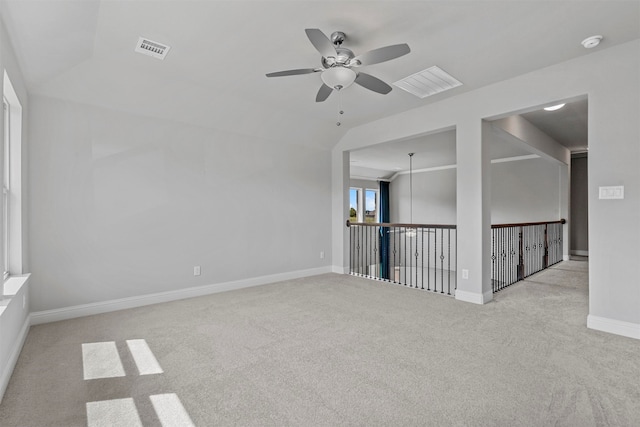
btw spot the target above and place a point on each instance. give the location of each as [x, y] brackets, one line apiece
[384, 231]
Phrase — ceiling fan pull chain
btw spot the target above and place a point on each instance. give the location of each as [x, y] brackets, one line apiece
[340, 107]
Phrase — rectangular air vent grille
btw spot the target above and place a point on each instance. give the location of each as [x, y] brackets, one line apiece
[151, 48]
[428, 82]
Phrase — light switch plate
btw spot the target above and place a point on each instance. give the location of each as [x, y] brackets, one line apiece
[615, 192]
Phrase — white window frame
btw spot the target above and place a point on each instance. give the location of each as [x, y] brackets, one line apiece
[12, 182]
[6, 187]
[362, 203]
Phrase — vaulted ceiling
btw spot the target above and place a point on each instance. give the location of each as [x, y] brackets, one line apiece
[214, 74]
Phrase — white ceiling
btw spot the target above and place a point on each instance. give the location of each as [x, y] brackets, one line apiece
[568, 126]
[214, 74]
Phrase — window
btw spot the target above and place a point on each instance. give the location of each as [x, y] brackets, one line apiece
[6, 189]
[354, 198]
[371, 206]
[11, 244]
[363, 205]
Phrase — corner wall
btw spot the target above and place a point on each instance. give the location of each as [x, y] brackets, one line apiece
[614, 155]
[124, 205]
[14, 308]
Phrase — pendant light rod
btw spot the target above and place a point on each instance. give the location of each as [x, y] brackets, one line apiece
[411, 188]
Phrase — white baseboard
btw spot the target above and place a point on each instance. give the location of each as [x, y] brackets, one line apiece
[580, 253]
[13, 358]
[339, 270]
[73, 312]
[612, 326]
[473, 297]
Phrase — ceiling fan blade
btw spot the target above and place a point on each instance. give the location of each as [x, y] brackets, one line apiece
[372, 83]
[294, 72]
[321, 42]
[381, 54]
[323, 93]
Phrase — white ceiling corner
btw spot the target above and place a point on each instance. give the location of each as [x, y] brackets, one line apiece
[82, 50]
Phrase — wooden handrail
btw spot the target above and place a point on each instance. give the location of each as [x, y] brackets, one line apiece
[525, 224]
[448, 226]
[391, 225]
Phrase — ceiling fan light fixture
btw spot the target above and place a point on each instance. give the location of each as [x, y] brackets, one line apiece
[338, 77]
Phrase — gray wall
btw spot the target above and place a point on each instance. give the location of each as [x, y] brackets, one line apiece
[521, 191]
[579, 206]
[614, 153]
[364, 183]
[525, 191]
[124, 205]
[434, 198]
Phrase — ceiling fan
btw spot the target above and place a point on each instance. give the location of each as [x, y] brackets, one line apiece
[339, 64]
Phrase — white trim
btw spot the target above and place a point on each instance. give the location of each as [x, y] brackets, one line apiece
[440, 168]
[515, 158]
[473, 297]
[13, 359]
[433, 169]
[580, 253]
[73, 312]
[339, 269]
[368, 178]
[566, 257]
[613, 326]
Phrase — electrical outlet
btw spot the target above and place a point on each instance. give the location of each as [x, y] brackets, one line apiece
[321, 254]
[196, 270]
[465, 274]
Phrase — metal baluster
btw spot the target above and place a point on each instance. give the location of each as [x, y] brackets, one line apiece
[369, 251]
[441, 258]
[351, 250]
[395, 233]
[428, 259]
[503, 255]
[493, 259]
[376, 234]
[449, 261]
[410, 254]
[436, 255]
[422, 258]
[417, 254]
[513, 263]
[357, 254]
[404, 257]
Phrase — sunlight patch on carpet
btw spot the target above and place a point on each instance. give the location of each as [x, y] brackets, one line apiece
[116, 412]
[143, 356]
[101, 360]
[170, 410]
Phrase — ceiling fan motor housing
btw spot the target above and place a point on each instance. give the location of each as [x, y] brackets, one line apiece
[343, 56]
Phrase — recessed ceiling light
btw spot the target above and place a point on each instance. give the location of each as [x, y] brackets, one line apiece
[591, 42]
[554, 107]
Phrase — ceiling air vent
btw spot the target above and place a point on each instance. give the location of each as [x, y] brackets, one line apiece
[428, 82]
[151, 48]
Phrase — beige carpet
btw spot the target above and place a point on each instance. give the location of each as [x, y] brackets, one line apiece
[335, 350]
